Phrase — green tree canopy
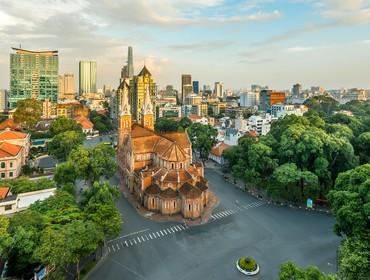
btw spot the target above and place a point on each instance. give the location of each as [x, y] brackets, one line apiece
[290, 271]
[203, 138]
[28, 112]
[62, 144]
[63, 124]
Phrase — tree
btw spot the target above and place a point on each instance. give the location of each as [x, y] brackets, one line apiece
[65, 173]
[354, 257]
[62, 144]
[363, 147]
[322, 104]
[24, 184]
[290, 271]
[28, 112]
[185, 122]
[63, 124]
[165, 125]
[6, 239]
[91, 164]
[350, 201]
[203, 138]
[101, 122]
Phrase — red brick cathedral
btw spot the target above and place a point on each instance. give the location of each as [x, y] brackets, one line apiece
[157, 168]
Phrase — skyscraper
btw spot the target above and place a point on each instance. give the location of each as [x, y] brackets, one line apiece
[87, 77]
[33, 74]
[186, 86]
[219, 89]
[66, 86]
[296, 90]
[196, 87]
[128, 69]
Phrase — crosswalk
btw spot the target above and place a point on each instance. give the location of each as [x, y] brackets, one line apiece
[238, 208]
[128, 241]
[147, 235]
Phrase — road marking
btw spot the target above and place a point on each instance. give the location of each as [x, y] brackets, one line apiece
[157, 234]
[181, 226]
[135, 241]
[126, 243]
[161, 233]
[150, 236]
[146, 237]
[130, 242]
[113, 249]
[138, 239]
[172, 231]
[118, 247]
[132, 233]
[142, 237]
[165, 231]
[121, 243]
[108, 249]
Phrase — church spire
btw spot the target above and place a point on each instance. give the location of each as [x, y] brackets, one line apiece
[125, 106]
[147, 115]
[147, 106]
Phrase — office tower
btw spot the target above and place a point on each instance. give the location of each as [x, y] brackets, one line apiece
[138, 86]
[186, 86]
[269, 98]
[66, 86]
[249, 99]
[297, 90]
[219, 89]
[87, 77]
[3, 100]
[196, 87]
[128, 69]
[33, 74]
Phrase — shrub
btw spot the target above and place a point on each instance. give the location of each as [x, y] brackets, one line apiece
[247, 263]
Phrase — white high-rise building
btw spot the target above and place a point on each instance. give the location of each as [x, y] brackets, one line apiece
[219, 89]
[249, 99]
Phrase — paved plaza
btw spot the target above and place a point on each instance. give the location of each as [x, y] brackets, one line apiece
[240, 225]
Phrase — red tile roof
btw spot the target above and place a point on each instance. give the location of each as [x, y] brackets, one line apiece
[9, 150]
[219, 149]
[84, 122]
[11, 135]
[4, 192]
[9, 123]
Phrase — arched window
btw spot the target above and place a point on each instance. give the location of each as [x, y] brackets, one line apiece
[153, 200]
[181, 165]
[172, 165]
[189, 207]
[174, 204]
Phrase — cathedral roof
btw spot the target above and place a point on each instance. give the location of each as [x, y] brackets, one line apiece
[169, 193]
[190, 191]
[144, 72]
[153, 189]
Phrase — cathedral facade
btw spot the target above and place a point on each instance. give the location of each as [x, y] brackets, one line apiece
[157, 168]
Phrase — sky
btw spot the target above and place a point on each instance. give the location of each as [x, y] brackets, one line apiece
[238, 42]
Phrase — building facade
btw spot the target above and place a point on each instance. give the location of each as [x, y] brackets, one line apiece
[269, 98]
[87, 77]
[33, 74]
[66, 87]
[249, 99]
[138, 86]
[186, 87]
[196, 87]
[219, 89]
[158, 169]
[3, 100]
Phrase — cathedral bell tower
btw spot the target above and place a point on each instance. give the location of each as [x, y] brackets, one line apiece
[125, 120]
[147, 115]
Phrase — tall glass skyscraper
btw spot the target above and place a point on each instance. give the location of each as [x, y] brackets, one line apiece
[33, 74]
[87, 77]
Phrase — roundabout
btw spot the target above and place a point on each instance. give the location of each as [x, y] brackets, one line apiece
[247, 266]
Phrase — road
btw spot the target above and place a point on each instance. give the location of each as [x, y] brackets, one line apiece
[240, 225]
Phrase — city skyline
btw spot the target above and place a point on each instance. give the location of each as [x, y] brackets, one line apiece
[267, 42]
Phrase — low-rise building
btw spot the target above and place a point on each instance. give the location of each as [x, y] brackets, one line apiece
[11, 204]
[217, 151]
[281, 110]
[260, 124]
[86, 125]
[169, 111]
[14, 149]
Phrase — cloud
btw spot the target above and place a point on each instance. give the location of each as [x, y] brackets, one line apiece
[202, 46]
